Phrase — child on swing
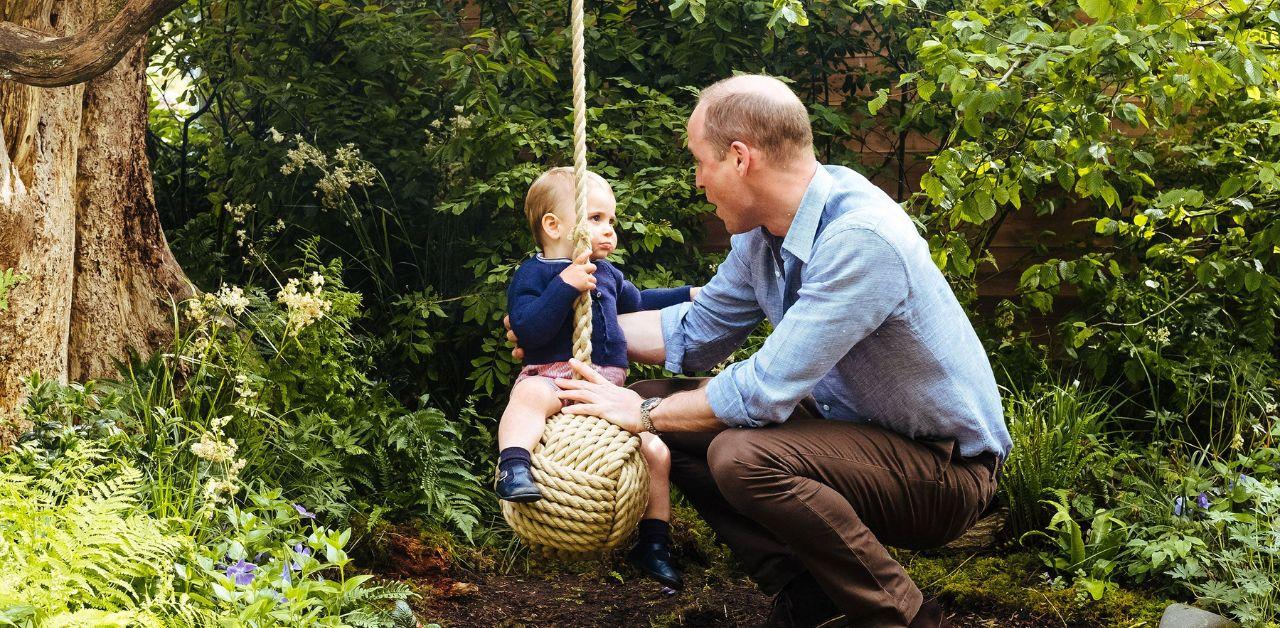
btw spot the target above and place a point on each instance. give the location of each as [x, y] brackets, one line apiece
[540, 300]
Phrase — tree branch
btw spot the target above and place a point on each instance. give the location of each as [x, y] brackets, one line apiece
[33, 58]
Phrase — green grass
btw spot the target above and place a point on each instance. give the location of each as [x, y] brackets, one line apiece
[1014, 583]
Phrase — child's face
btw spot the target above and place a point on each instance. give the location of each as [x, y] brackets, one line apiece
[601, 216]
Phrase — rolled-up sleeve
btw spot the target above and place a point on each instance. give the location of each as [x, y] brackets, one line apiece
[855, 280]
[700, 334]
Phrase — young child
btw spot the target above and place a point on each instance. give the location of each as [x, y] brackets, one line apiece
[540, 300]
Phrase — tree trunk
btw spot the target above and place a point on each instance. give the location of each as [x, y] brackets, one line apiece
[78, 216]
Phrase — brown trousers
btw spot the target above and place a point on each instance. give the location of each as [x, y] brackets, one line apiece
[826, 497]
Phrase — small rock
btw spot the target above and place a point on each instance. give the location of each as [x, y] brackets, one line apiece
[668, 591]
[462, 588]
[1183, 616]
[983, 535]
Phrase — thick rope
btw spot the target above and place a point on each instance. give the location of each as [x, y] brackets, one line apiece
[581, 239]
[594, 481]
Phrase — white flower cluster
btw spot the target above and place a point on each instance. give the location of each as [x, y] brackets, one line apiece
[1159, 335]
[195, 310]
[219, 451]
[228, 299]
[276, 136]
[246, 395]
[304, 305]
[345, 169]
[232, 298]
[238, 212]
[214, 450]
[302, 154]
[348, 169]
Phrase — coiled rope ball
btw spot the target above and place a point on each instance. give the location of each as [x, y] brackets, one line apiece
[594, 481]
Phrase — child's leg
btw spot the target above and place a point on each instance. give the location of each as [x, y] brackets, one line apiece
[652, 553]
[658, 457]
[532, 401]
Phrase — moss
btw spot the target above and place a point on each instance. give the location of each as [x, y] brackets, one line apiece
[1014, 583]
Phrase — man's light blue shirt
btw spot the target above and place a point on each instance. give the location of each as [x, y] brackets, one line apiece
[863, 321]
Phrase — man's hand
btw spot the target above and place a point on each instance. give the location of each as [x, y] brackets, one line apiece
[597, 396]
[580, 273]
[693, 292]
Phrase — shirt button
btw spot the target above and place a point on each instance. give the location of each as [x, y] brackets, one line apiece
[777, 274]
[825, 407]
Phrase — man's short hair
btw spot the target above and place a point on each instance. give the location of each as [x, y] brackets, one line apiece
[777, 123]
[553, 190]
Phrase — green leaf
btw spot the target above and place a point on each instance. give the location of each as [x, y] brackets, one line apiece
[1100, 10]
[926, 89]
[882, 96]
[985, 205]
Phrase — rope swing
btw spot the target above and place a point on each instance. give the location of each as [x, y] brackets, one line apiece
[594, 481]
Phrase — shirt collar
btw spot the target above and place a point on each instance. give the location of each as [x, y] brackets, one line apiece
[804, 227]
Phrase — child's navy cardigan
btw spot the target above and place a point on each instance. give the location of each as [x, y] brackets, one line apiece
[541, 308]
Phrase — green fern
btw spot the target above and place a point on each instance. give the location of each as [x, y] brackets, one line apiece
[77, 548]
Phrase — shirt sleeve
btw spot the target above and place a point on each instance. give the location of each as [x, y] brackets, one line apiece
[658, 298]
[539, 307]
[700, 334]
[632, 299]
[853, 282]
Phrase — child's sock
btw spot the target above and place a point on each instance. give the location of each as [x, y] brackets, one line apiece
[654, 531]
[512, 456]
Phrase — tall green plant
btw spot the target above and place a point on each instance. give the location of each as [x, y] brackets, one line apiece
[1057, 438]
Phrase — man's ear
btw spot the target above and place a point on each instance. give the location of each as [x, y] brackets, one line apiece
[551, 225]
[741, 154]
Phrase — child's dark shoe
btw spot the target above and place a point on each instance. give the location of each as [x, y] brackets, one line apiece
[515, 484]
[654, 559]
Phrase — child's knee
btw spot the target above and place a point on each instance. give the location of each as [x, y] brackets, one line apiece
[534, 393]
[535, 389]
[655, 452]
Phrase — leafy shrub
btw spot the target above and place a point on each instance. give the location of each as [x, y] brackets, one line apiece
[276, 388]
[1056, 431]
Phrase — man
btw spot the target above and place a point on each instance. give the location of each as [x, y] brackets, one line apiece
[869, 417]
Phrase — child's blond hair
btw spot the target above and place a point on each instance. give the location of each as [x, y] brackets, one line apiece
[551, 191]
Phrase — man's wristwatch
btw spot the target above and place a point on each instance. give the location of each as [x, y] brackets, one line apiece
[646, 407]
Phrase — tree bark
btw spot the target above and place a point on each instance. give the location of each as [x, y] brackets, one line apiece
[78, 216]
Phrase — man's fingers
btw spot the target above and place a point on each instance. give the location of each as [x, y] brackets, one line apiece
[506, 322]
[511, 337]
[590, 268]
[586, 409]
[576, 395]
[517, 353]
[572, 384]
[583, 257]
[587, 372]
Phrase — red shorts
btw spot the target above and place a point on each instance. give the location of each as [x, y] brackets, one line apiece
[615, 374]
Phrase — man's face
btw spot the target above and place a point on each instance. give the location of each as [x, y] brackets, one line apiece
[719, 176]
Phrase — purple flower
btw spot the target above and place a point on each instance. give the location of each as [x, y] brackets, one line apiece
[1177, 506]
[302, 512]
[241, 572]
[1202, 500]
[301, 550]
